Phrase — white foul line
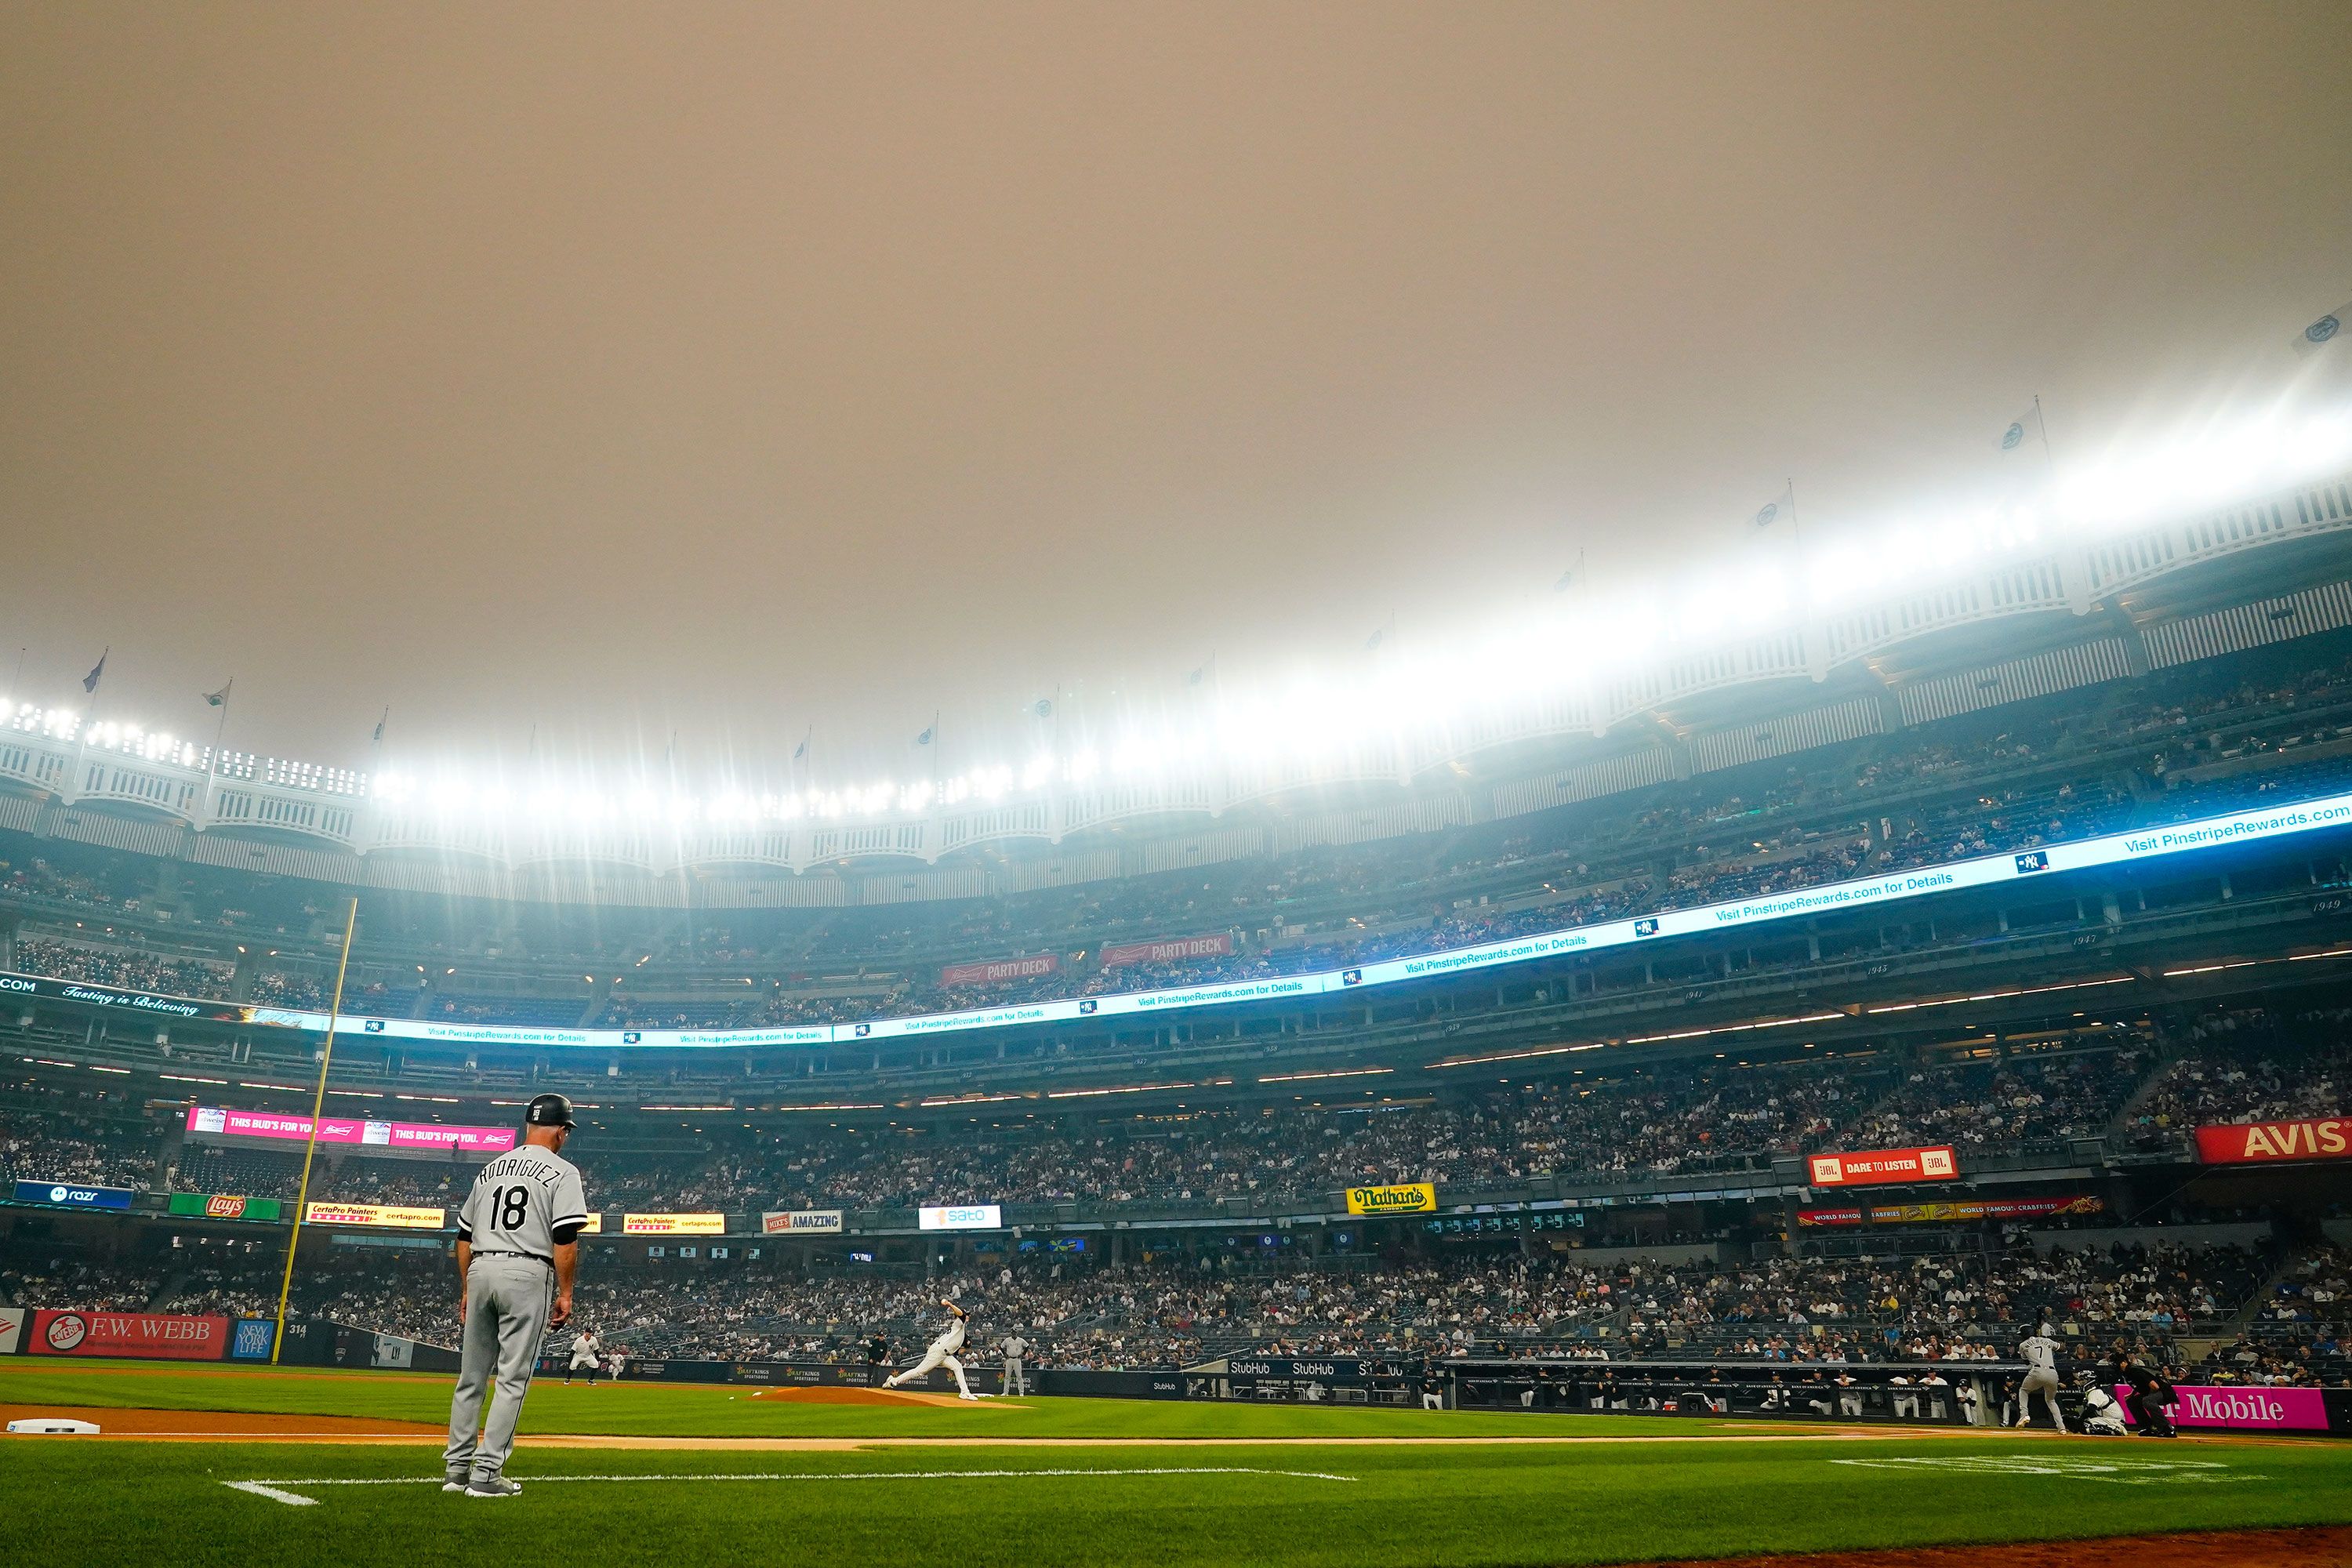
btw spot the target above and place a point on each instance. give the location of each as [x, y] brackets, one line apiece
[276, 1491]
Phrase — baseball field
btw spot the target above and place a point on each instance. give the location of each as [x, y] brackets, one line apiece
[250, 1466]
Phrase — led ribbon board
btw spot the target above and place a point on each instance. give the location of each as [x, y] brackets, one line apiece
[1866, 892]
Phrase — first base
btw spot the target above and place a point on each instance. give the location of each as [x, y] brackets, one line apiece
[54, 1426]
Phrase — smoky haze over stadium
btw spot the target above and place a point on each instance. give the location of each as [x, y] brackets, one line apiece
[615, 374]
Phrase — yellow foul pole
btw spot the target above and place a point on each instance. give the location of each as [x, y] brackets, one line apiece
[311, 1144]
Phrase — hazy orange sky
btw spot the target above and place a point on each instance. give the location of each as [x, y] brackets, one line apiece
[623, 369]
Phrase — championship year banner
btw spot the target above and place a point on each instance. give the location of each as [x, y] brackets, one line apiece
[1867, 892]
[387, 1215]
[149, 1336]
[795, 1222]
[1407, 1197]
[1875, 1166]
[673, 1224]
[2260, 1142]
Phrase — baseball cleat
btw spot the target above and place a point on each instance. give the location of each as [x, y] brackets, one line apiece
[493, 1486]
[455, 1481]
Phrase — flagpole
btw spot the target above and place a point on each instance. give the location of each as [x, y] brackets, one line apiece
[89, 685]
[311, 1144]
[212, 759]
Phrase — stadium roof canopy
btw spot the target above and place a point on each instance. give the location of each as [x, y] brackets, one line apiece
[1544, 716]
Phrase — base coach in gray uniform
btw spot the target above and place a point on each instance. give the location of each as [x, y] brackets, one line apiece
[517, 1252]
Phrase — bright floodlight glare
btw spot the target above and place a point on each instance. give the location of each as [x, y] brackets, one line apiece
[1383, 704]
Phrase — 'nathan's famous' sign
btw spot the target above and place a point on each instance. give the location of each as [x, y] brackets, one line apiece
[1410, 1197]
[2252, 1142]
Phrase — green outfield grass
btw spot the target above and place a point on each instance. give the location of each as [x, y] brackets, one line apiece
[1405, 1506]
[1730, 1488]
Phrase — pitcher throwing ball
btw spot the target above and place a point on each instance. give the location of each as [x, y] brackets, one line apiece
[941, 1353]
[517, 1252]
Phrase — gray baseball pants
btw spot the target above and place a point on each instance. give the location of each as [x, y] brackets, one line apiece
[2045, 1384]
[1016, 1381]
[508, 1302]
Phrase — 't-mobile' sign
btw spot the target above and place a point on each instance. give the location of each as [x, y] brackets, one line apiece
[1881, 1165]
[2245, 1409]
[2255, 1143]
[219, 1121]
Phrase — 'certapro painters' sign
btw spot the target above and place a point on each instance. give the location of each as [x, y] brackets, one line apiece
[1413, 1197]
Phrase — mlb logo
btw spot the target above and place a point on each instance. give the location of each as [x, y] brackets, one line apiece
[1828, 1170]
[1088, 1005]
[631, 1037]
[1935, 1163]
[1351, 977]
[1647, 926]
[373, 1026]
[864, 1030]
[2033, 860]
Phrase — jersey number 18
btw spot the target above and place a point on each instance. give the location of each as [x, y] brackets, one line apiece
[509, 1204]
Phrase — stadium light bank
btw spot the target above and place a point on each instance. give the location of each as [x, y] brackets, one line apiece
[1313, 724]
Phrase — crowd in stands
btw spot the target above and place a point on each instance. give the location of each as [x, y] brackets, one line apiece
[1598, 1124]
[2252, 1064]
[128, 969]
[1974, 785]
[60, 1146]
[1958, 1306]
[2007, 1103]
[2297, 1336]
[86, 1285]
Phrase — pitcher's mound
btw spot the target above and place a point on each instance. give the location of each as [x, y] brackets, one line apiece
[851, 1395]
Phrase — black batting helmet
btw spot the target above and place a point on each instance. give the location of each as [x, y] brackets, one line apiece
[548, 1110]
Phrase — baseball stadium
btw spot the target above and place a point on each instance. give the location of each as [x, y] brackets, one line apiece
[968, 817]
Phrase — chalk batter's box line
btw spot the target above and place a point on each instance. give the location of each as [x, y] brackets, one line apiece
[281, 1491]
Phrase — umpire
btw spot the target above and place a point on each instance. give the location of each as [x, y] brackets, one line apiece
[2151, 1391]
[518, 1253]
